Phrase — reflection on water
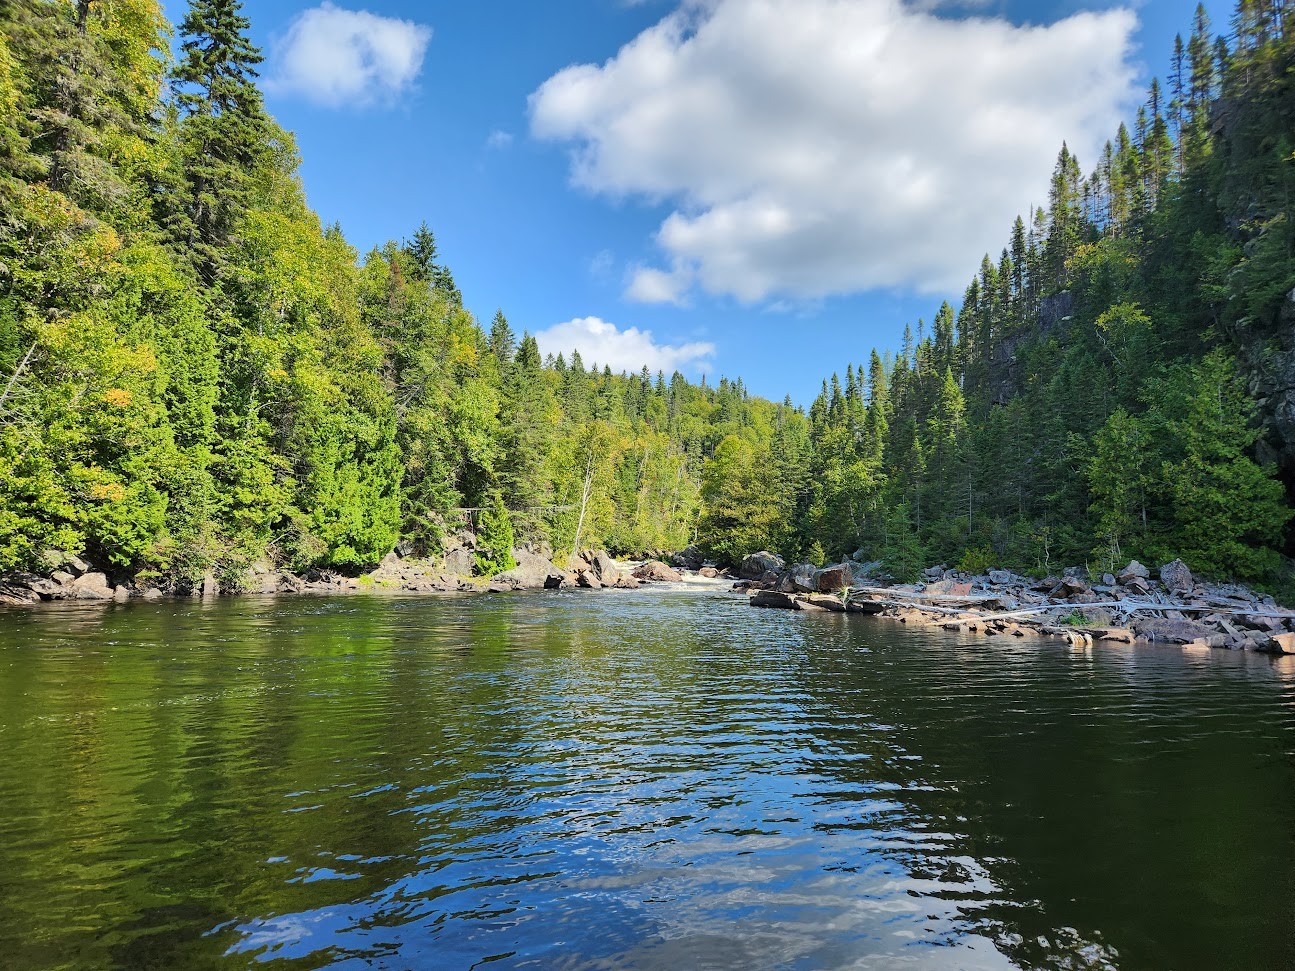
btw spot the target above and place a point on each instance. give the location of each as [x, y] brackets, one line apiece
[651, 780]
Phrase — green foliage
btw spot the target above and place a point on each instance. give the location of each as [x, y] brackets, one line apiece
[495, 540]
[979, 560]
[195, 375]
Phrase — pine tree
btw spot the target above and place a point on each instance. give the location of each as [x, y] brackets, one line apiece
[223, 133]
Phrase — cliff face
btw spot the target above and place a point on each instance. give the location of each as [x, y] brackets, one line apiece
[1006, 372]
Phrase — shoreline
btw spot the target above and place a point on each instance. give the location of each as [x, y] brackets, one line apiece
[1131, 608]
[77, 581]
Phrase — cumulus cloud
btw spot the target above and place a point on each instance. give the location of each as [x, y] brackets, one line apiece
[814, 147]
[649, 285]
[338, 57]
[629, 350]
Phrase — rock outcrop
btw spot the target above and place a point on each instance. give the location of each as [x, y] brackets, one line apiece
[755, 566]
[654, 571]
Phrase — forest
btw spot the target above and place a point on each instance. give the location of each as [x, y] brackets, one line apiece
[198, 375]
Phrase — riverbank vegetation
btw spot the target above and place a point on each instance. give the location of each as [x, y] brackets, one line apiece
[197, 375]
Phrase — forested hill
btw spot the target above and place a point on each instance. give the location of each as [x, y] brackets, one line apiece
[197, 375]
[1119, 382]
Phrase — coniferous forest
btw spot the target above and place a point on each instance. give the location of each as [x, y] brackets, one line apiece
[197, 374]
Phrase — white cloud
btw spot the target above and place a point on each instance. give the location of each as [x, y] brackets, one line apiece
[499, 139]
[812, 147]
[648, 285]
[629, 350]
[338, 57]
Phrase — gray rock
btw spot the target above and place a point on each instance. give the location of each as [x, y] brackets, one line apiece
[532, 572]
[1176, 577]
[586, 580]
[1001, 577]
[1134, 570]
[689, 559]
[1172, 631]
[627, 583]
[605, 568]
[39, 586]
[771, 598]
[459, 561]
[758, 564]
[91, 586]
[709, 572]
[802, 577]
[935, 572]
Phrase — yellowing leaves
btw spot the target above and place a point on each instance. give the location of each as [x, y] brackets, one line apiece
[108, 492]
[118, 398]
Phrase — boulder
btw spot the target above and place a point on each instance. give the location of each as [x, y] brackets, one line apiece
[657, 572]
[1281, 644]
[91, 586]
[390, 562]
[709, 572]
[1134, 571]
[40, 587]
[1171, 631]
[1176, 577]
[935, 573]
[1070, 587]
[587, 581]
[1137, 585]
[554, 581]
[865, 568]
[830, 579]
[627, 583]
[460, 561]
[758, 564]
[802, 577]
[1001, 578]
[15, 595]
[605, 568]
[578, 564]
[689, 559]
[532, 572]
[771, 598]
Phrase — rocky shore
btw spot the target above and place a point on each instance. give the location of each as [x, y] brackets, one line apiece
[72, 578]
[1133, 606]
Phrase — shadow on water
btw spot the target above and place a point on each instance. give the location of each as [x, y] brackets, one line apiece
[658, 780]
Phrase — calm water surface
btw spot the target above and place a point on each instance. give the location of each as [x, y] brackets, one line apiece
[653, 780]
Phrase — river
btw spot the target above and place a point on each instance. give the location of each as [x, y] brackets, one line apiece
[659, 780]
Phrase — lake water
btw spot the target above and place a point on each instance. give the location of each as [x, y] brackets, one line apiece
[656, 780]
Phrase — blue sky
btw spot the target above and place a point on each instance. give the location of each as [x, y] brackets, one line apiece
[755, 188]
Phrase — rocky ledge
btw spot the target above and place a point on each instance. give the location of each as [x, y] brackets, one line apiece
[1133, 606]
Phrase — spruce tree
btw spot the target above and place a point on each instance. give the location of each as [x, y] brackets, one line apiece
[223, 133]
